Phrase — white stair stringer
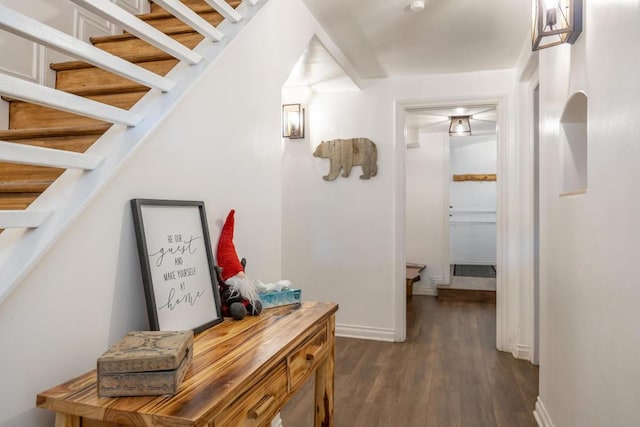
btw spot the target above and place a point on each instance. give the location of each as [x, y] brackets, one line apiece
[22, 219]
[74, 190]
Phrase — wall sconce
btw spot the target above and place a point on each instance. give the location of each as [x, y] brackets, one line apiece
[555, 22]
[292, 121]
[460, 126]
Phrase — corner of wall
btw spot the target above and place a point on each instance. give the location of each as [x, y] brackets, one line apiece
[541, 415]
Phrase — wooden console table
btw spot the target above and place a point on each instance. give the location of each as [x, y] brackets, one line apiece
[242, 374]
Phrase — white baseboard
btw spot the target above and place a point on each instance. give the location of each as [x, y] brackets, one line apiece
[541, 415]
[365, 333]
[521, 351]
[435, 281]
[424, 289]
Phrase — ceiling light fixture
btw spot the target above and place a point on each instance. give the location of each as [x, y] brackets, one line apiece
[416, 6]
[460, 126]
[555, 22]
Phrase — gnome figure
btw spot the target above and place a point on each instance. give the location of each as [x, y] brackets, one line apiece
[238, 292]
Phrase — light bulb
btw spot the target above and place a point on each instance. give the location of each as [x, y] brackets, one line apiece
[416, 6]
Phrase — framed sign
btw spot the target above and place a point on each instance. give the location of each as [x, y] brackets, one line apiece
[177, 264]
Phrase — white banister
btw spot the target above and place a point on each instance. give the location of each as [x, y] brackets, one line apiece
[139, 28]
[40, 156]
[189, 17]
[35, 31]
[225, 10]
[22, 219]
[42, 95]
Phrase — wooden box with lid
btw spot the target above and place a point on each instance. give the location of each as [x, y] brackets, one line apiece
[145, 363]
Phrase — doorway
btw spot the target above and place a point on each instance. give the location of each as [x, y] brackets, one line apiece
[406, 139]
[472, 210]
[451, 200]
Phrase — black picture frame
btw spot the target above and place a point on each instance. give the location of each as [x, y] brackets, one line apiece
[176, 261]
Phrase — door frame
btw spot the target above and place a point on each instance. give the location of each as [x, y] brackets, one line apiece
[504, 235]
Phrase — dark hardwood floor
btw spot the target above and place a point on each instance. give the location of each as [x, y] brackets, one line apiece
[447, 373]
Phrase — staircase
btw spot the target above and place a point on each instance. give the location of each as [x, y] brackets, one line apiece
[62, 148]
[35, 125]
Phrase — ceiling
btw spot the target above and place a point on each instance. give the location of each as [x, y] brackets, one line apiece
[481, 118]
[383, 38]
[318, 70]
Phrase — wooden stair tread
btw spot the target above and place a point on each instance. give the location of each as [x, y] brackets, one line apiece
[107, 89]
[137, 50]
[25, 115]
[115, 99]
[169, 25]
[53, 132]
[19, 173]
[75, 65]
[17, 201]
[161, 13]
[77, 144]
[195, 5]
[95, 81]
[133, 50]
[24, 186]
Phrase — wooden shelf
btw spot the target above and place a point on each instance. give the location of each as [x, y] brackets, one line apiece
[475, 177]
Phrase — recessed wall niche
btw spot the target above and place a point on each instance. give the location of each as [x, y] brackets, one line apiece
[574, 148]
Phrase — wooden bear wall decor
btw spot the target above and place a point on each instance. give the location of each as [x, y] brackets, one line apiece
[346, 153]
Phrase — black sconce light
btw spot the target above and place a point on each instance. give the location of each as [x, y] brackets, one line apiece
[555, 22]
[292, 121]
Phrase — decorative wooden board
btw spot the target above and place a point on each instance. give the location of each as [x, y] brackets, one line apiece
[343, 154]
[475, 177]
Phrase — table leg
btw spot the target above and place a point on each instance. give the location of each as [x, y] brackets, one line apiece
[325, 373]
[66, 420]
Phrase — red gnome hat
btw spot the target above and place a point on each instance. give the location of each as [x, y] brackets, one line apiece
[227, 257]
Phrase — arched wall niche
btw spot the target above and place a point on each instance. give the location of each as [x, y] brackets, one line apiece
[574, 144]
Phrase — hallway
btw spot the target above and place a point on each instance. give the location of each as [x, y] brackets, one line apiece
[447, 373]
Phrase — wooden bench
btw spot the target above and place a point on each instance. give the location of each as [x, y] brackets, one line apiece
[413, 275]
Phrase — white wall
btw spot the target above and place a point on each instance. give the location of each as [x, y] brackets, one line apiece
[590, 338]
[86, 293]
[473, 220]
[339, 237]
[427, 207]
[473, 155]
